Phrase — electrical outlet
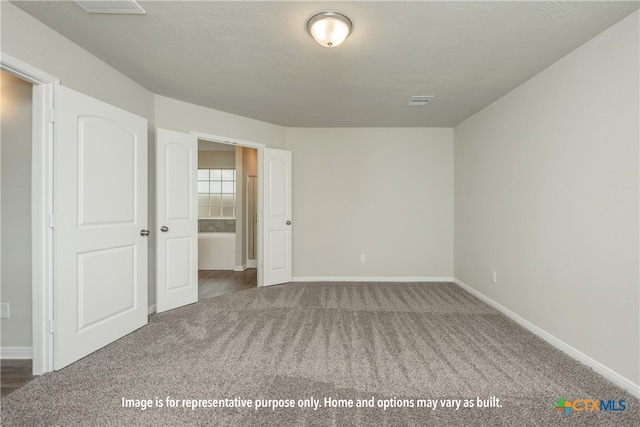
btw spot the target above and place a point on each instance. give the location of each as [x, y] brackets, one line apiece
[363, 258]
[494, 277]
[4, 310]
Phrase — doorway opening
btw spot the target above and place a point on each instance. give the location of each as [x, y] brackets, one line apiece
[16, 253]
[227, 218]
[41, 235]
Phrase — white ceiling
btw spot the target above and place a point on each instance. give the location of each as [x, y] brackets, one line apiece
[255, 59]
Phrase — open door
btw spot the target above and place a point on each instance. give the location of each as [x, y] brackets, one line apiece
[277, 217]
[177, 219]
[100, 225]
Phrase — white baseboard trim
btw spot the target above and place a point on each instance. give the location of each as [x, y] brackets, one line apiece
[151, 309]
[16, 353]
[606, 372]
[252, 263]
[369, 279]
[240, 268]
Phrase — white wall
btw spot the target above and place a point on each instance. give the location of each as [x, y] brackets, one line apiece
[16, 210]
[383, 192]
[216, 159]
[547, 195]
[184, 117]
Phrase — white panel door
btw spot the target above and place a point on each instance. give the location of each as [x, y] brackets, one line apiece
[277, 217]
[100, 204]
[177, 219]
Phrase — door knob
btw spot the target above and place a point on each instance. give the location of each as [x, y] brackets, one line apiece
[288, 222]
[164, 228]
[144, 233]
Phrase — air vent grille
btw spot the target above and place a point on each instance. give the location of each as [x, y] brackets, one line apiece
[419, 100]
[114, 6]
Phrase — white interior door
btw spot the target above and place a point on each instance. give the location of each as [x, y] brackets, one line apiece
[277, 217]
[177, 219]
[100, 205]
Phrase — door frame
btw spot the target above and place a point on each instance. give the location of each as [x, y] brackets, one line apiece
[260, 148]
[43, 117]
[254, 261]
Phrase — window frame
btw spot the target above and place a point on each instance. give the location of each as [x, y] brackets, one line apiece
[223, 205]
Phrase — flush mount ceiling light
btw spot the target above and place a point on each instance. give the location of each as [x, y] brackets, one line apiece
[329, 29]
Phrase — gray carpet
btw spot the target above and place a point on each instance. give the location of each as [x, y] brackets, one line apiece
[386, 343]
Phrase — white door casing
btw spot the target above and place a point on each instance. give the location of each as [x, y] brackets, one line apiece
[177, 215]
[44, 88]
[277, 217]
[100, 207]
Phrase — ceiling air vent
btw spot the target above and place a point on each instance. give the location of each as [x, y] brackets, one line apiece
[114, 6]
[419, 100]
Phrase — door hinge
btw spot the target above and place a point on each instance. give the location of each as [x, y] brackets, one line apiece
[52, 221]
[52, 115]
[52, 326]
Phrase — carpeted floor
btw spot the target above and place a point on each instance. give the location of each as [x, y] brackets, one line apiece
[387, 344]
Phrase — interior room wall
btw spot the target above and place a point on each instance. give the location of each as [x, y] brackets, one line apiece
[217, 159]
[547, 196]
[386, 193]
[16, 210]
[184, 117]
[250, 159]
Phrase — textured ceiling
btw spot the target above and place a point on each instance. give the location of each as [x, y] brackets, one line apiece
[255, 59]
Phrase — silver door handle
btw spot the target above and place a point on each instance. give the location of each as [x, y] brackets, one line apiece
[288, 222]
[144, 233]
[164, 228]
